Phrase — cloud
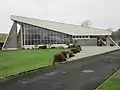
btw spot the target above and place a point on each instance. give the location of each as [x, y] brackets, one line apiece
[102, 13]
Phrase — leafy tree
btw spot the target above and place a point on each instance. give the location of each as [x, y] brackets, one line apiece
[110, 29]
[86, 23]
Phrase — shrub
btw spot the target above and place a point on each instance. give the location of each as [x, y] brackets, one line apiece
[79, 47]
[60, 47]
[33, 48]
[111, 45]
[100, 44]
[78, 50]
[22, 48]
[65, 53]
[42, 47]
[74, 50]
[53, 47]
[71, 54]
[119, 43]
[71, 46]
[59, 57]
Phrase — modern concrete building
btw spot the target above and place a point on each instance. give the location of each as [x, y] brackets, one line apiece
[42, 32]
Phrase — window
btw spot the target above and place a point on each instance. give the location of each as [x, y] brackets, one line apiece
[86, 36]
[73, 36]
[83, 36]
[91, 37]
[36, 35]
[77, 36]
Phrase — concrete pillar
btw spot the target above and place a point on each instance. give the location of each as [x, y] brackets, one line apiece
[110, 41]
[19, 39]
[11, 41]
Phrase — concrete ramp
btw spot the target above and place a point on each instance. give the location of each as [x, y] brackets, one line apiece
[88, 51]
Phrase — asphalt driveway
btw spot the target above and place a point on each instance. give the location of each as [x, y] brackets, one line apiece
[83, 74]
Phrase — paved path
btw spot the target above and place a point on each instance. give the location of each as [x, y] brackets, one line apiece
[93, 50]
[83, 74]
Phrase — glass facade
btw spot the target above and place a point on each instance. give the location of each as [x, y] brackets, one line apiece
[34, 35]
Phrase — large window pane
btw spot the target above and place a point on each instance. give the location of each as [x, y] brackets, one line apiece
[36, 36]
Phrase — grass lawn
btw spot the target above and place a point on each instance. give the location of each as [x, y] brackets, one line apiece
[12, 62]
[113, 83]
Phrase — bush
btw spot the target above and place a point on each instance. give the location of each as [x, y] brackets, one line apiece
[53, 47]
[119, 43]
[74, 50]
[42, 47]
[23, 48]
[71, 46]
[59, 57]
[79, 47]
[60, 47]
[71, 54]
[33, 48]
[100, 44]
[78, 50]
[111, 45]
[65, 53]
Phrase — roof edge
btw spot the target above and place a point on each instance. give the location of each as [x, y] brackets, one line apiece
[12, 18]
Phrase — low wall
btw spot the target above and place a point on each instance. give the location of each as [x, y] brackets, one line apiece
[87, 42]
[53, 45]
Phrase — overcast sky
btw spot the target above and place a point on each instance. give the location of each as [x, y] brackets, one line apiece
[102, 13]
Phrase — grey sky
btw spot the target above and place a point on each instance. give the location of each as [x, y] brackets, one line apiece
[102, 13]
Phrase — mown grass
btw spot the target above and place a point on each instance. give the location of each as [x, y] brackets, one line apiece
[112, 83]
[13, 62]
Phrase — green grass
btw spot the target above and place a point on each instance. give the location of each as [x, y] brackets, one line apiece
[12, 62]
[2, 37]
[112, 83]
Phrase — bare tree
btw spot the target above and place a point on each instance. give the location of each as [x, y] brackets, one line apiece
[110, 29]
[86, 23]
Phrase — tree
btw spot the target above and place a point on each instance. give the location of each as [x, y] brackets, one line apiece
[118, 30]
[86, 23]
[110, 29]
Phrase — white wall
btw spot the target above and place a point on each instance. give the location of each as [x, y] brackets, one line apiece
[53, 45]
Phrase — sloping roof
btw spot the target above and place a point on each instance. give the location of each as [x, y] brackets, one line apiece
[61, 27]
[2, 37]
